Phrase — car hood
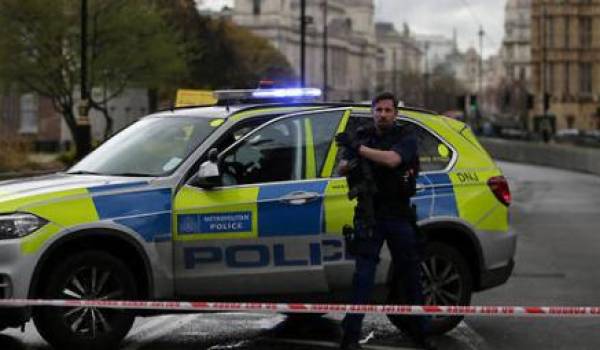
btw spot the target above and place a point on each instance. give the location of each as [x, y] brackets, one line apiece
[22, 193]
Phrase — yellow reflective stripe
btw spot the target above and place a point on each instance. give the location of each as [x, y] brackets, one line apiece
[190, 200]
[311, 168]
[475, 201]
[32, 243]
[17, 201]
[330, 160]
[61, 209]
[81, 209]
[52, 206]
[339, 210]
[255, 112]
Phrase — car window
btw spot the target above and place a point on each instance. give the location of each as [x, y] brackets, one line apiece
[292, 148]
[323, 129]
[273, 153]
[150, 147]
[434, 155]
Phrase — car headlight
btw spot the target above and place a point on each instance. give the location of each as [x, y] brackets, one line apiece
[17, 225]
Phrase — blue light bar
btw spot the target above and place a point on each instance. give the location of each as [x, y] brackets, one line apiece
[283, 93]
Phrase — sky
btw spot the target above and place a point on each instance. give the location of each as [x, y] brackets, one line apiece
[439, 17]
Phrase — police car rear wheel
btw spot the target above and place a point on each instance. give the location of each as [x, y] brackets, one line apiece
[87, 275]
[447, 280]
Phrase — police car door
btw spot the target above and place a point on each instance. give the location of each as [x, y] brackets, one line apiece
[260, 233]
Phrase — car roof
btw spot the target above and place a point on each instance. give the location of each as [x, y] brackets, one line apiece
[225, 111]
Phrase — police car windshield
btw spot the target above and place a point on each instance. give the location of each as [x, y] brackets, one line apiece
[150, 147]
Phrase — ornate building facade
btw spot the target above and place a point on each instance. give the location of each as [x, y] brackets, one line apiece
[565, 40]
[399, 69]
[351, 46]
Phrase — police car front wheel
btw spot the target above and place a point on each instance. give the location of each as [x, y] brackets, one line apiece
[87, 275]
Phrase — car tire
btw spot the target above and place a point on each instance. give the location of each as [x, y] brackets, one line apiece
[89, 274]
[446, 266]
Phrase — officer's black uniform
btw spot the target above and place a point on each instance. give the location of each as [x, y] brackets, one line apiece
[393, 224]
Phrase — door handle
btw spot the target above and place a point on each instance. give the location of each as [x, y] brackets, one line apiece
[299, 197]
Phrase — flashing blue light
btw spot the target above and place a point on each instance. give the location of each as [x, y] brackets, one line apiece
[283, 93]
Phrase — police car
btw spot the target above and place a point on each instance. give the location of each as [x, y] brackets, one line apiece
[238, 201]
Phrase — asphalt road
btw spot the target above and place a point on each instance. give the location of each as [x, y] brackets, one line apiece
[556, 215]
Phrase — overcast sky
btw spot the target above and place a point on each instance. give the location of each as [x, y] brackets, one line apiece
[439, 17]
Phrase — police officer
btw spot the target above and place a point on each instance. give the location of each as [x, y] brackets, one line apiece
[391, 151]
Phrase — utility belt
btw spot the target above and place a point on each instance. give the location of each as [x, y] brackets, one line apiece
[359, 239]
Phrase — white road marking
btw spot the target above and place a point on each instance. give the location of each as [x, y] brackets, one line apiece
[368, 337]
[227, 347]
[329, 344]
[153, 322]
[469, 338]
[140, 340]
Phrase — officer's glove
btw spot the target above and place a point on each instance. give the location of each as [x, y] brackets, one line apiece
[344, 140]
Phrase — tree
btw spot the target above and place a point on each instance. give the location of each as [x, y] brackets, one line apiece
[220, 54]
[233, 57]
[129, 43]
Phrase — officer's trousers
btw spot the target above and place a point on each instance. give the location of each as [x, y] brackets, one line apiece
[404, 248]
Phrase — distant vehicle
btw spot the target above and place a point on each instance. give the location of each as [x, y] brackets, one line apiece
[568, 132]
[238, 202]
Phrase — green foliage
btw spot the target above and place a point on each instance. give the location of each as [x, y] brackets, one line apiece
[233, 57]
[128, 42]
[220, 54]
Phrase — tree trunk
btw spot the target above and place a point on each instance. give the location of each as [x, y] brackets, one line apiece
[83, 141]
[82, 136]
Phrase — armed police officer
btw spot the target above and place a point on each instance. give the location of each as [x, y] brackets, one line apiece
[385, 156]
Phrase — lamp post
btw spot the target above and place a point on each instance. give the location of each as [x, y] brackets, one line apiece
[426, 85]
[302, 43]
[325, 49]
[83, 121]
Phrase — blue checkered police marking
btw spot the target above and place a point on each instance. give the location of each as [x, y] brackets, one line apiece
[437, 198]
[146, 212]
[278, 218]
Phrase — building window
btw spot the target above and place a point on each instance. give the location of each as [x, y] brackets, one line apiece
[585, 32]
[566, 79]
[256, 7]
[549, 32]
[567, 31]
[585, 78]
[550, 77]
[29, 114]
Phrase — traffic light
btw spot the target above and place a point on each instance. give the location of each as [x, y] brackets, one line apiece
[473, 101]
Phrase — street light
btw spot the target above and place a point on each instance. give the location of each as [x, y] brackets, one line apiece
[325, 48]
[302, 43]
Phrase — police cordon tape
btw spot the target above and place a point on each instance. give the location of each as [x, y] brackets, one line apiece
[433, 310]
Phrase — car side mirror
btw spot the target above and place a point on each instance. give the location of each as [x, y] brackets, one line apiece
[208, 175]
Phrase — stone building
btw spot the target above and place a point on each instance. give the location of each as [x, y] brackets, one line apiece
[516, 45]
[351, 52]
[565, 40]
[401, 61]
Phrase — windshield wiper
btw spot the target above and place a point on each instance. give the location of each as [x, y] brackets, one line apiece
[83, 172]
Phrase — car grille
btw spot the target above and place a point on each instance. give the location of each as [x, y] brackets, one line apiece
[5, 287]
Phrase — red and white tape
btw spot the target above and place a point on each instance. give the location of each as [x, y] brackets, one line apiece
[433, 310]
